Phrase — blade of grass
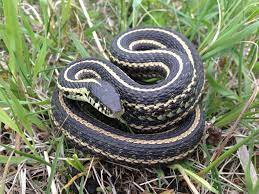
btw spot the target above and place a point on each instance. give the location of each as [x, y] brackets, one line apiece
[31, 156]
[14, 159]
[53, 187]
[248, 179]
[97, 41]
[135, 7]
[44, 11]
[123, 15]
[226, 154]
[75, 163]
[3, 178]
[229, 117]
[19, 111]
[54, 164]
[65, 11]
[214, 171]
[234, 126]
[4, 118]
[227, 41]
[195, 177]
[40, 61]
[13, 34]
[217, 87]
[78, 45]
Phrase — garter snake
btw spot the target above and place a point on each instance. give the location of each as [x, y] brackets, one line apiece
[94, 96]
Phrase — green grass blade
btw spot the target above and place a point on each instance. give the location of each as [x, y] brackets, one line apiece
[31, 156]
[229, 40]
[195, 177]
[44, 11]
[229, 117]
[217, 87]
[80, 48]
[54, 164]
[135, 7]
[227, 153]
[13, 34]
[75, 163]
[13, 160]
[65, 12]
[40, 62]
[4, 118]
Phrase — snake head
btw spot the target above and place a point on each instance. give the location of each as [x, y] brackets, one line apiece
[106, 99]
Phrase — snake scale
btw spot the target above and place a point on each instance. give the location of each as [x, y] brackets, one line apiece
[142, 106]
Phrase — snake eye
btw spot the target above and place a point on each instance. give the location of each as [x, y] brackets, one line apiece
[66, 93]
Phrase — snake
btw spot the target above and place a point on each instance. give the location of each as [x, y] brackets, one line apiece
[142, 106]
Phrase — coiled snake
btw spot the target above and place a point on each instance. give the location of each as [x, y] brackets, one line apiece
[143, 123]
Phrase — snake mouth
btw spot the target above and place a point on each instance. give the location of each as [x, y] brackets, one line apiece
[117, 114]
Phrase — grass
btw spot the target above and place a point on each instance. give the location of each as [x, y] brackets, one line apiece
[37, 38]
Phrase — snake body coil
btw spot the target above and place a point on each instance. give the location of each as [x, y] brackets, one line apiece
[166, 116]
